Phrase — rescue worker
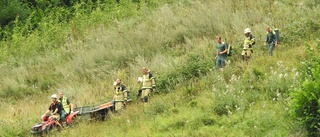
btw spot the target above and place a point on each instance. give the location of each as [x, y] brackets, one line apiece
[247, 45]
[248, 33]
[221, 55]
[271, 40]
[54, 110]
[148, 84]
[120, 94]
[67, 106]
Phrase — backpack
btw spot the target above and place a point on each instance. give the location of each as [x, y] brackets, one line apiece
[229, 47]
[150, 75]
[275, 32]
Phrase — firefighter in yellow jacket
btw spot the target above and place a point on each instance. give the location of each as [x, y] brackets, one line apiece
[120, 94]
[67, 106]
[148, 84]
[247, 46]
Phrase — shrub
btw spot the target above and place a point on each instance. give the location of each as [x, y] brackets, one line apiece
[305, 104]
[225, 104]
[195, 66]
[158, 108]
[10, 10]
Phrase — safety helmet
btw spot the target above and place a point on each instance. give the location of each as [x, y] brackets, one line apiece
[247, 30]
[54, 96]
[139, 79]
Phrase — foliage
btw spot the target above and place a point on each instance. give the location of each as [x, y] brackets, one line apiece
[195, 66]
[306, 99]
[12, 9]
[81, 49]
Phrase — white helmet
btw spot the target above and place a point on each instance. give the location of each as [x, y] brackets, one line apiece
[139, 79]
[54, 96]
[247, 30]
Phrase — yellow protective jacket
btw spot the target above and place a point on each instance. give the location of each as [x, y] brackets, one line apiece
[119, 91]
[246, 43]
[148, 81]
[65, 104]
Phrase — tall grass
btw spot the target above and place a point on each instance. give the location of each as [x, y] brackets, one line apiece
[243, 100]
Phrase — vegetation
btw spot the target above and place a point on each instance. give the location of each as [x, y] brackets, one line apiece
[81, 47]
[305, 103]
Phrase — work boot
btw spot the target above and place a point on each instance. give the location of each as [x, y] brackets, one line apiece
[145, 99]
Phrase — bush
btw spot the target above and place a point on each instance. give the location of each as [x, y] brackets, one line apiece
[195, 66]
[157, 108]
[305, 104]
[10, 10]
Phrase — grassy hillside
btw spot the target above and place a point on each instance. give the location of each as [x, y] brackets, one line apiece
[176, 41]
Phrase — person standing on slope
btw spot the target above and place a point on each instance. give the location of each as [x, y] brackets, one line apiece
[247, 33]
[221, 53]
[148, 84]
[120, 94]
[271, 40]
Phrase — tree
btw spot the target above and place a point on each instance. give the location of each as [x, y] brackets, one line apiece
[12, 9]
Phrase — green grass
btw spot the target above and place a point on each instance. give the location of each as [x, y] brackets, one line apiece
[175, 41]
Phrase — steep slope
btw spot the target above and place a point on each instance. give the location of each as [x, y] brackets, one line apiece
[177, 42]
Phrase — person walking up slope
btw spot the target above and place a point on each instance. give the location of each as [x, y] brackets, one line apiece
[271, 40]
[221, 55]
[249, 41]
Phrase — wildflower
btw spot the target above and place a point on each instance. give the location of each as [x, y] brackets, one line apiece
[278, 94]
[238, 108]
[229, 112]
[129, 123]
[233, 78]
[293, 69]
[279, 63]
[214, 88]
[274, 72]
[286, 68]
[281, 75]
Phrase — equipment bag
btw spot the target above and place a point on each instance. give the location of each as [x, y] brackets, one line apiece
[276, 35]
[229, 47]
